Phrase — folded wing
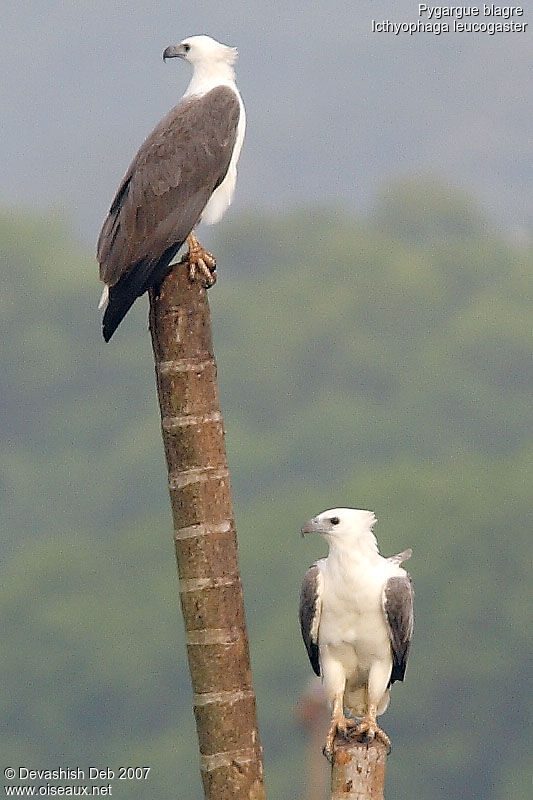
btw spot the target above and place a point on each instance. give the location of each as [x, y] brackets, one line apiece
[310, 609]
[398, 598]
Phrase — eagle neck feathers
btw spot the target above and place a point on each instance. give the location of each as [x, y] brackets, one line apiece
[208, 76]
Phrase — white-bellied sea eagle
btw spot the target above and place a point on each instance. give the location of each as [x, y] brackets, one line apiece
[184, 172]
[356, 616]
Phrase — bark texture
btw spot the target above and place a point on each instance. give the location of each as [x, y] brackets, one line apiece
[205, 539]
[358, 771]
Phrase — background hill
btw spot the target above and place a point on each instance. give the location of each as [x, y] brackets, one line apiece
[380, 362]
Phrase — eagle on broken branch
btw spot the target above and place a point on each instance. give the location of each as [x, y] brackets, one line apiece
[356, 616]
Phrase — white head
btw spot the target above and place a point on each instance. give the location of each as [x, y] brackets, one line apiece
[350, 526]
[202, 51]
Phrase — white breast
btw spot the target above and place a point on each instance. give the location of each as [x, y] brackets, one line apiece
[352, 610]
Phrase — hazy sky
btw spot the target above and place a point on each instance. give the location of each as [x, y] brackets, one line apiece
[334, 110]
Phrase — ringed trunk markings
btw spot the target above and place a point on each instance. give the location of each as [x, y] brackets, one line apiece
[171, 423]
[192, 531]
[206, 698]
[196, 475]
[196, 584]
[184, 365]
[226, 759]
[212, 636]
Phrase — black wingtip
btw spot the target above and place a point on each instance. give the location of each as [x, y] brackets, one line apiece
[134, 283]
[113, 316]
[117, 308]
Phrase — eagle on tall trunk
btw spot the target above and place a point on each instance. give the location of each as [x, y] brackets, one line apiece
[185, 172]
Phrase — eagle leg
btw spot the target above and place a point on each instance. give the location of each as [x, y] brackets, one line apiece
[200, 260]
[339, 724]
[370, 728]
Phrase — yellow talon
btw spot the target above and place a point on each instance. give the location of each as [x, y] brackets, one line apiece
[200, 260]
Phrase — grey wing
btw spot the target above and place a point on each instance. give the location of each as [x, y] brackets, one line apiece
[169, 182]
[399, 558]
[398, 598]
[310, 609]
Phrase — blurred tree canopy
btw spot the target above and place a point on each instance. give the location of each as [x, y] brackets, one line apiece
[380, 363]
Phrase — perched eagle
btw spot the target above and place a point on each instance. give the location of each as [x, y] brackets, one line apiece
[184, 172]
[356, 615]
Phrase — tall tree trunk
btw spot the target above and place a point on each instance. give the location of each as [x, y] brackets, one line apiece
[358, 771]
[205, 539]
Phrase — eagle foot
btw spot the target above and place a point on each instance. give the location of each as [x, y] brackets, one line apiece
[339, 725]
[327, 751]
[201, 262]
[370, 730]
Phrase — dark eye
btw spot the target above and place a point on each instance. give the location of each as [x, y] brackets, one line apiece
[334, 520]
[186, 47]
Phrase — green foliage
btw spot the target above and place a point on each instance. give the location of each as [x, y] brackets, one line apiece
[422, 211]
[381, 364]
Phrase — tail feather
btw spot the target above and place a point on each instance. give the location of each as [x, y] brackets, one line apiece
[119, 304]
[141, 277]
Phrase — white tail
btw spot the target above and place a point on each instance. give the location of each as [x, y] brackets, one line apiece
[104, 298]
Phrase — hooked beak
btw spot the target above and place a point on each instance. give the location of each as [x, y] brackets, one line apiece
[174, 51]
[311, 526]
